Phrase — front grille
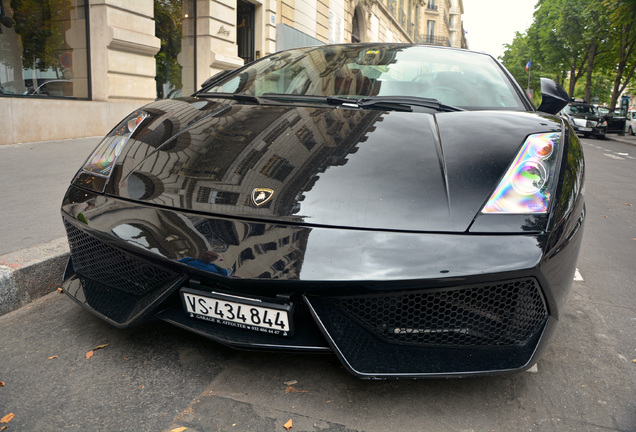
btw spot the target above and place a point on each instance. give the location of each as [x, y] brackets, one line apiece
[110, 267]
[501, 314]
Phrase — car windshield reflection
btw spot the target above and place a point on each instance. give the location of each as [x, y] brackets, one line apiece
[467, 80]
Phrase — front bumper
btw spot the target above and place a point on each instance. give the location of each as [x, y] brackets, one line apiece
[598, 131]
[439, 305]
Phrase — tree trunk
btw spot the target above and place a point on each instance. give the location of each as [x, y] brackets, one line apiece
[590, 70]
[627, 45]
[572, 78]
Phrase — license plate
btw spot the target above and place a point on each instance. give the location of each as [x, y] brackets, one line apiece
[582, 129]
[239, 312]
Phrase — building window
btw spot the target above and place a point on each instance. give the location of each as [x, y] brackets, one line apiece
[355, 27]
[43, 48]
[175, 21]
[430, 31]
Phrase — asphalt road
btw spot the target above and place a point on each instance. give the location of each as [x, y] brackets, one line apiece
[157, 377]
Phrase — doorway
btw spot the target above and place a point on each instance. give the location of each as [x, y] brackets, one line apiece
[245, 30]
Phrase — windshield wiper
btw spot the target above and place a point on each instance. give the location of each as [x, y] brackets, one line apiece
[361, 103]
[389, 101]
[393, 103]
[294, 97]
[336, 100]
[243, 97]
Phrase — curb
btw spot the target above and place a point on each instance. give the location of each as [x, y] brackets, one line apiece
[622, 139]
[28, 274]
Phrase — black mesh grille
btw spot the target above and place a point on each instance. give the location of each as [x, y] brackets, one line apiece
[506, 313]
[111, 267]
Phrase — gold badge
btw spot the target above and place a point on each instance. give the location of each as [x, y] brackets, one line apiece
[261, 195]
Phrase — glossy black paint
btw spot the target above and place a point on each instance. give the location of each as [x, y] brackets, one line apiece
[365, 203]
[311, 254]
[553, 97]
[435, 177]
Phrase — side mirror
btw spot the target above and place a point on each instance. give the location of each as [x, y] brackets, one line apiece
[553, 97]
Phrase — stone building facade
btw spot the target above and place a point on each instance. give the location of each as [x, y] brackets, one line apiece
[88, 63]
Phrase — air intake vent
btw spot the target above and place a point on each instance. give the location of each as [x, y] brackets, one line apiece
[93, 259]
[506, 313]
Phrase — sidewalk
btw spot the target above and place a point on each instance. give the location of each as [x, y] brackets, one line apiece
[627, 138]
[33, 247]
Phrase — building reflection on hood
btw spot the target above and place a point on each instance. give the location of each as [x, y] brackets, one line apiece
[213, 166]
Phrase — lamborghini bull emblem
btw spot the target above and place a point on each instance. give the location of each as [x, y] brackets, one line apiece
[261, 195]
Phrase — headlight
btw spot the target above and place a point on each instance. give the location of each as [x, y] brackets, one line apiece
[526, 186]
[101, 162]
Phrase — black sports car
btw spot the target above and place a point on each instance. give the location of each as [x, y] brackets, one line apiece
[405, 207]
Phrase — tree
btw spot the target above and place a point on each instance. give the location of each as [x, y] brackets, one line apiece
[598, 85]
[516, 57]
[169, 29]
[621, 60]
[571, 39]
[42, 25]
[563, 33]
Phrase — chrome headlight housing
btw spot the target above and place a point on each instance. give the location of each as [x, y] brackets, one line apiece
[101, 162]
[527, 186]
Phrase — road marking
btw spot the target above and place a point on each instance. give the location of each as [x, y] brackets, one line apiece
[578, 277]
[613, 156]
[626, 155]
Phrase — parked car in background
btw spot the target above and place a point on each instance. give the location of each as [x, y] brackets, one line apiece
[54, 88]
[630, 124]
[616, 120]
[585, 119]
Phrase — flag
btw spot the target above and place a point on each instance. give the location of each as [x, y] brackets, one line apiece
[528, 65]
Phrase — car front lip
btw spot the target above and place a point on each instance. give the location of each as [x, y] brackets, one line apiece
[326, 264]
[593, 129]
[597, 130]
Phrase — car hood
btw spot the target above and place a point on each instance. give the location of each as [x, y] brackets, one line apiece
[585, 116]
[322, 166]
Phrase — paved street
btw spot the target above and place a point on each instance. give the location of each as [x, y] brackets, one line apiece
[157, 377]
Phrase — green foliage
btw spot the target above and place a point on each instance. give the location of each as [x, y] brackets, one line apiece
[621, 59]
[516, 57]
[601, 87]
[169, 29]
[571, 40]
[42, 25]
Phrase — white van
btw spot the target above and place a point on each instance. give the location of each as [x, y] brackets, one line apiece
[630, 126]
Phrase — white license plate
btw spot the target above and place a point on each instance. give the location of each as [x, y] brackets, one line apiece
[582, 129]
[240, 312]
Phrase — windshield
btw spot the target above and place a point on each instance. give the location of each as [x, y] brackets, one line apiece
[454, 77]
[581, 109]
